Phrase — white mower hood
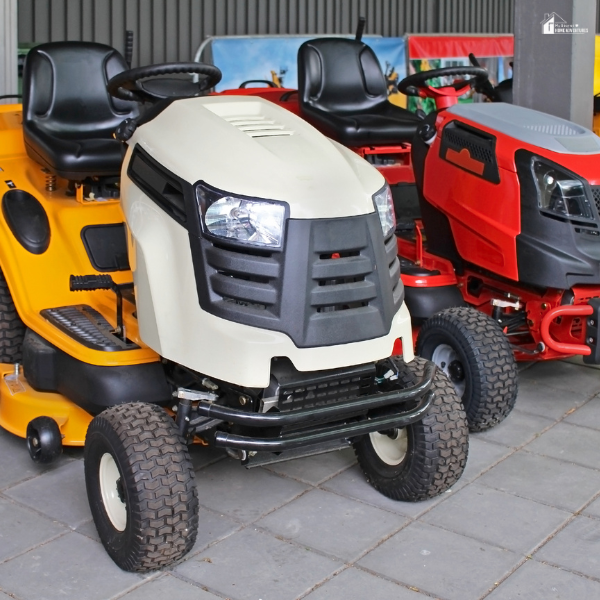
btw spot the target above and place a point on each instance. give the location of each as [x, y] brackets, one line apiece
[249, 146]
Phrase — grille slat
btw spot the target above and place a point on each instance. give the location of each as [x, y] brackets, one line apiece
[239, 289]
[235, 263]
[343, 294]
[395, 271]
[351, 266]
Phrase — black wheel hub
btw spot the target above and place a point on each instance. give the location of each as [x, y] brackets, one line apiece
[456, 371]
[121, 490]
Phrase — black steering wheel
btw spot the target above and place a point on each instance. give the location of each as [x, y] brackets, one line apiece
[150, 84]
[268, 83]
[412, 84]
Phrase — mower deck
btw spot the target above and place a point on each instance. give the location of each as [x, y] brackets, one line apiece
[20, 404]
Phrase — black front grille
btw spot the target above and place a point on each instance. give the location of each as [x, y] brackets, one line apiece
[324, 391]
[596, 194]
[334, 282]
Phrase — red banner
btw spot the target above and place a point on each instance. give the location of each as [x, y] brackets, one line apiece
[450, 46]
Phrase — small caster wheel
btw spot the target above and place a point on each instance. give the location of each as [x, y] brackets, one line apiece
[44, 440]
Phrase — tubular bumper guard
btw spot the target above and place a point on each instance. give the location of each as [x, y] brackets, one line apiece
[590, 350]
[321, 419]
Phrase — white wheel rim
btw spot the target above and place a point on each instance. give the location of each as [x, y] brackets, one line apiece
[109, 476]
[443, 356]
[391, 449]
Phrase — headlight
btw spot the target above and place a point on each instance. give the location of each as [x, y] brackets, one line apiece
[385, 207]
[560, 192]
[246, 220]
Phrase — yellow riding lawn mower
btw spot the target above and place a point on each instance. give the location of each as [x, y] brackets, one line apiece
[219, 274]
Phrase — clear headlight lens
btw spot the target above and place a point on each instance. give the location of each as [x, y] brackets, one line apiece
[251, 221]
[560, 192]
[385, 207]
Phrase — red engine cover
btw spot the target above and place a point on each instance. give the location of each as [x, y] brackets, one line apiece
[485, 217]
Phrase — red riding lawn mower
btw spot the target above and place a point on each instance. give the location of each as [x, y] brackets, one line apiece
[497, 207]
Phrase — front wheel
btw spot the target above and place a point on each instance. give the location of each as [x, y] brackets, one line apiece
[472, 350]
[424, 459]
[140, 485]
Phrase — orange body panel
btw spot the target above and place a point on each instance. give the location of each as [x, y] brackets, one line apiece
[39, 281]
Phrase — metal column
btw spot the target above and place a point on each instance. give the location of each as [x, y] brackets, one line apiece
[554, 57]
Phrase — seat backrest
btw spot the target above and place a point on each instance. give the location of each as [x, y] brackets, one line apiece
[64, 90]
[339, 75]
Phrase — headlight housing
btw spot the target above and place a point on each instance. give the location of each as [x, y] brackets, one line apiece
[561, 193]
[384, 203]
[241, 219]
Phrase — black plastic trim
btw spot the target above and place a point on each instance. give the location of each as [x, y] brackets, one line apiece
[27, 220]
[106, 247]
[481, 146]
[424, 302]
[163, 187]
[318, 291]
[553, 253]
[92, 387]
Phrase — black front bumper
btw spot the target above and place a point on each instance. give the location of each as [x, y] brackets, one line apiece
[343, 420]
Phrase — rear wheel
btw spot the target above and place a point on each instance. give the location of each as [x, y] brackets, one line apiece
[12, 329]
[140, 485]
[424, 459]
[474, 353]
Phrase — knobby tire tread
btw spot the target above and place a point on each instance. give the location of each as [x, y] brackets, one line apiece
[12, 329]
[162, 495]
[438, 445]
[494, 376]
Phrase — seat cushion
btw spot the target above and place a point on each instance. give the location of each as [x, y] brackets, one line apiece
[343, 92]
[68, 116]
[380, 125]
[71, 158]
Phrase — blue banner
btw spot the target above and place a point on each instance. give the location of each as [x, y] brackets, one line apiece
[274, 59]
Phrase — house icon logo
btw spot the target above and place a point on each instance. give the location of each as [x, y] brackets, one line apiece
[550, 22]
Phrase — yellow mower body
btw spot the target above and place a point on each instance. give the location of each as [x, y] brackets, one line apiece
[41, 281]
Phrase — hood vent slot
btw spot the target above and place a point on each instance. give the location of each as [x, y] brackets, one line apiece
[258, 126]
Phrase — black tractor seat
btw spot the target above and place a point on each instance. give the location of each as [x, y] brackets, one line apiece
[342, 91]
[68, 116]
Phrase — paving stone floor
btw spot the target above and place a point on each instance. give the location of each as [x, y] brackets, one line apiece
[522, 523]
